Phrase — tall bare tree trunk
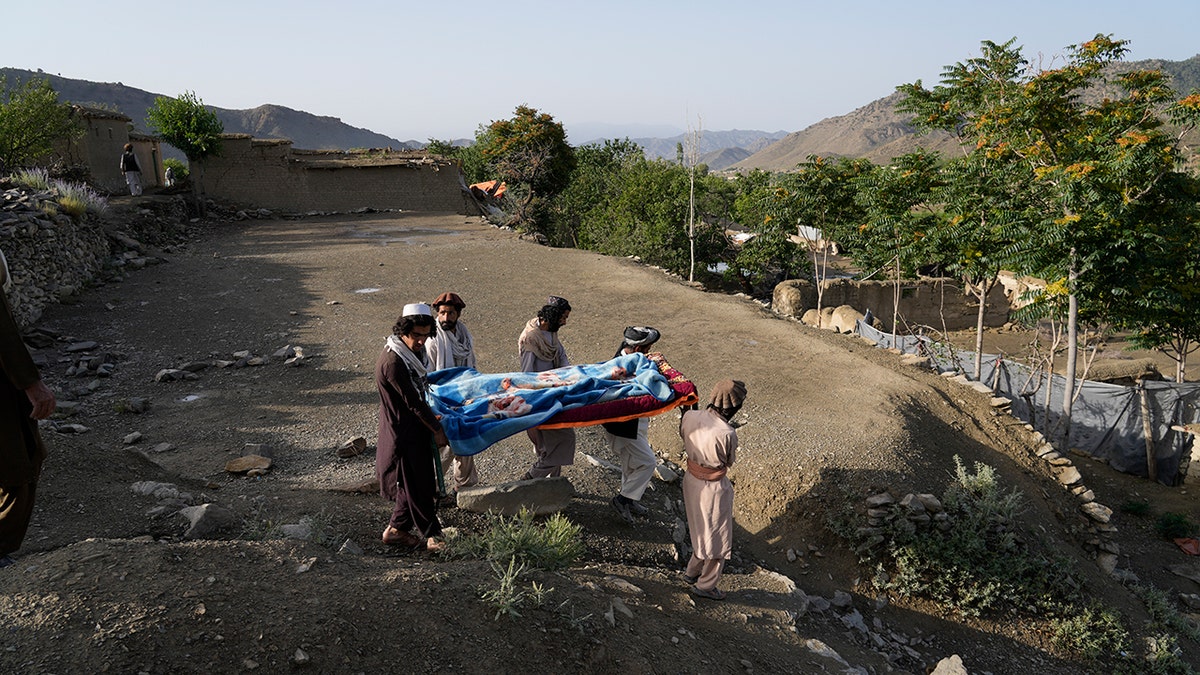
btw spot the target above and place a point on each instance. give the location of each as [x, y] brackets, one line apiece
[1072, 351]
[984, 287]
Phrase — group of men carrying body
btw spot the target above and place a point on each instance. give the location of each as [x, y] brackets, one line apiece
[410, 434]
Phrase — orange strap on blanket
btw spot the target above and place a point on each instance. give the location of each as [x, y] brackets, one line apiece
[705, 473]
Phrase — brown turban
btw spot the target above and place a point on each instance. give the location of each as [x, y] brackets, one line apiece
[728, 394]
[451, 299]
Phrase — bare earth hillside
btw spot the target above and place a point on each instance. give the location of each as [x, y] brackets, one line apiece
[106, 583]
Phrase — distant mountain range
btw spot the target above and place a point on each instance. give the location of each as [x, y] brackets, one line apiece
[875, 131]
[312, 132]
[879, 133]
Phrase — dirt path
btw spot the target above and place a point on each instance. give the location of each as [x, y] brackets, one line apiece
[826, 416]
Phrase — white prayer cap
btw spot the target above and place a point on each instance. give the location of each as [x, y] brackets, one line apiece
[417, 309]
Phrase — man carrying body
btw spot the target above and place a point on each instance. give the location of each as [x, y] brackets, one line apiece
[452, 346]
[540, 350]
[408, 432]
[24, 399]
[630, 440]
[711, 445]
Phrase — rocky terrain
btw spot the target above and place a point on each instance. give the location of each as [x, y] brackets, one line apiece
[117, 577]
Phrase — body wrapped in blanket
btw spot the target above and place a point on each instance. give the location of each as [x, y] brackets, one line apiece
[479, 409]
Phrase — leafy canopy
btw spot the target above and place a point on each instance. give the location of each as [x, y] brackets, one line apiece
[31, 121]
[185, 123]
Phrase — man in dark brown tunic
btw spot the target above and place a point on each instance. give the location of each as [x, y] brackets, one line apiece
[409, 433]
[24, 399]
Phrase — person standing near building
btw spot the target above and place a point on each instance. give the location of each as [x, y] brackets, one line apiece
[409, 433]
[24, 399]
[540, 349]
[453, 346]
[711, 445]
[133, 172]
[630, 440]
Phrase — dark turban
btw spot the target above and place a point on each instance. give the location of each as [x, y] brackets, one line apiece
[451, 299]
[640, 336]
[728, 394]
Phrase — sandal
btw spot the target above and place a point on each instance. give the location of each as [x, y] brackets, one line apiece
[435, 545]
[711, 594]
[691, 580]
[394, 537]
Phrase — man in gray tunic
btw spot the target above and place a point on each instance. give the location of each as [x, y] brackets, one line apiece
[541, 350]
[453, 346]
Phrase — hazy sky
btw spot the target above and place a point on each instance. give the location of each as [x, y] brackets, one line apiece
[437, 69]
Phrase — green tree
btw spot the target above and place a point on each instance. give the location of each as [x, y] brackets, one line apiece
[898, 235]
[31, 121]
[1098, 173]
[195, 130]
[474, 167]
[531, 154]
[826, 199]
[985, 209]
[598, 175]
[644, 212]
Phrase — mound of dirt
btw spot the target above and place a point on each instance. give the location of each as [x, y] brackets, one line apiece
[108, 582]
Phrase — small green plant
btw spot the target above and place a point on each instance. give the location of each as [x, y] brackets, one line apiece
[550, 545]
[1092, 633]
[977, 560]
[1163, 657]
[80, 194]
[1174, 526]
[73, 206]
[1136, 507]
[1159, 606]
[33, 179]
[507, 597]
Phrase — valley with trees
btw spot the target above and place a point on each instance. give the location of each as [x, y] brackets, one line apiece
[1082, 176]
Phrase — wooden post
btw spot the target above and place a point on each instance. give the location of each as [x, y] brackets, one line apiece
[1148, 433]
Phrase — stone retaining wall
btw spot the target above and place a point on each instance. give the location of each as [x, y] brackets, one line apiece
[51, 256]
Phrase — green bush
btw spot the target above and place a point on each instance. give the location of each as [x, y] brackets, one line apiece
[33, 179]
[978, 562]
[1092, 633]
[1174, 526]
[550, 545]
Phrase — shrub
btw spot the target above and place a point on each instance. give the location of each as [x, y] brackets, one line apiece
[977, 562]
[73, 206]
[1092, 633]
[33, 179]
[550, 545]
[81, 196]
[1174, 526]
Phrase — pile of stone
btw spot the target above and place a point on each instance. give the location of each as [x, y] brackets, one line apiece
[912, 514]
[51, 255]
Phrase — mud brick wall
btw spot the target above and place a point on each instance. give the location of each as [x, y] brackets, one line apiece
[926, 301]
[270, 174]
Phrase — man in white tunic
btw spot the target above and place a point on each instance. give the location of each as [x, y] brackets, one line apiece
[630, 440]
[711, 445]
[453, 346]
[540, 350]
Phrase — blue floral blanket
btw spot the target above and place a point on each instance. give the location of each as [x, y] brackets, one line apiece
[479, 409]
